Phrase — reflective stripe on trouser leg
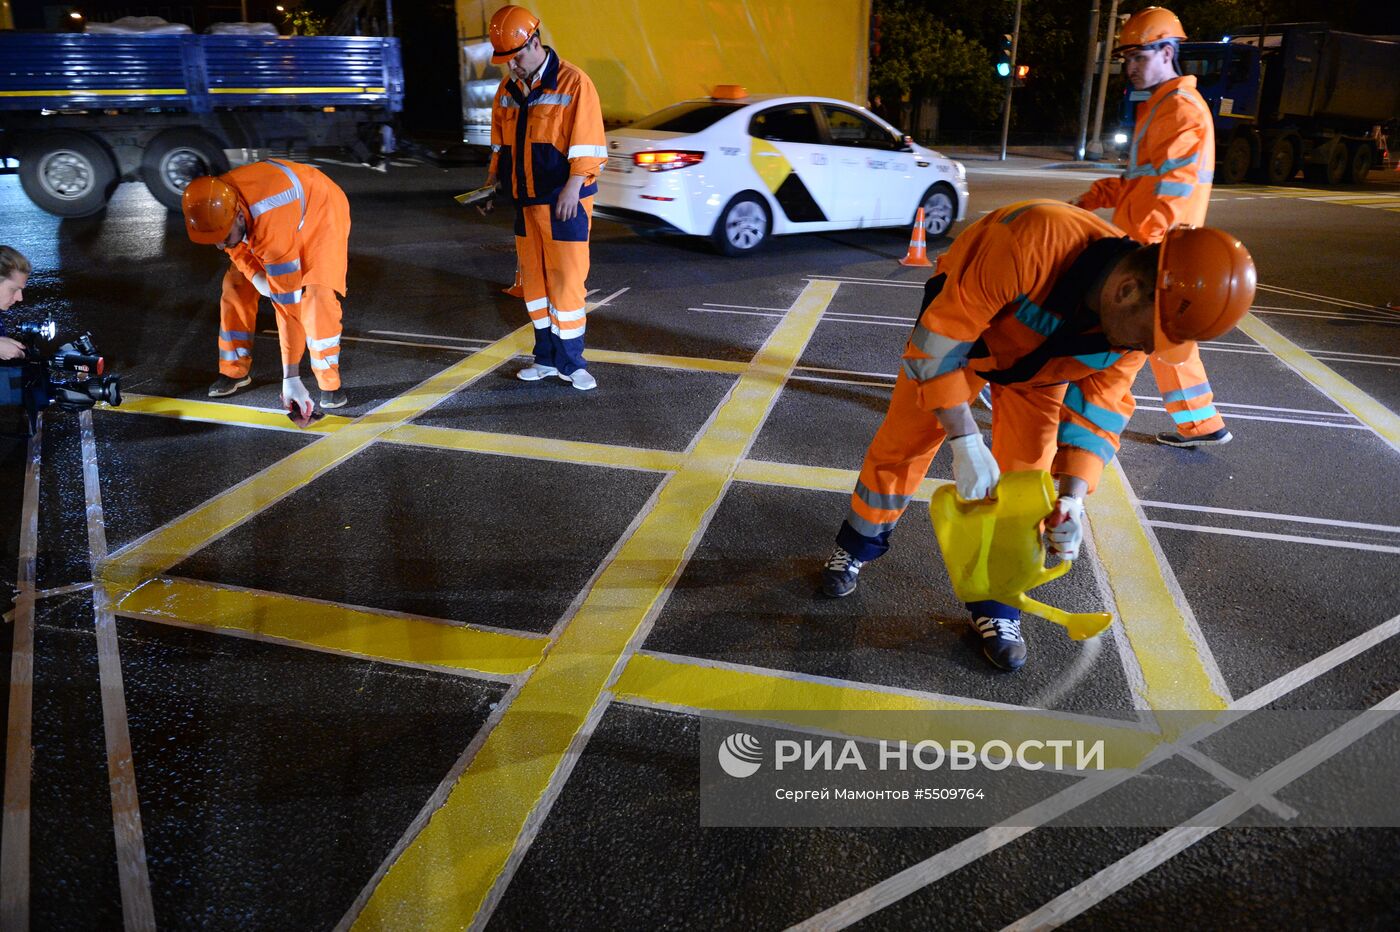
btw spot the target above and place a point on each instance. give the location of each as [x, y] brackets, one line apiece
[896, 462]
[529, 264]
[566, 272]
[320, 318]
[1187, 395]
[238, 320]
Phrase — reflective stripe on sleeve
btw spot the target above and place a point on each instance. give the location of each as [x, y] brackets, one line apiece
[584, 152]
[1037, 318]
[1073, 435]
[1102, 418]
[1174, 189]
[944, 354]
[284, 268]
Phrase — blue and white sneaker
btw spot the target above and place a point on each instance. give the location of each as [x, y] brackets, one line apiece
[1001, 641]
[840, 573]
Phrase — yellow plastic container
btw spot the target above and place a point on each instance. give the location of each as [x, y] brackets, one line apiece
[994, 551]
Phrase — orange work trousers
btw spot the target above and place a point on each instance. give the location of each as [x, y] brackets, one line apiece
[313, 324]
[1187, 395]
[1025, 425]
[553, 266]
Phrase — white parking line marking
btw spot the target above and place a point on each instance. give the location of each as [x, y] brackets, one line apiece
[1271, 516]
[931, 870]
[1124, 871]
[1284, 538]
[1339, 302]
[1275, 420]
[1330, 315]
[716, 310]
[873, 375]
[1228, 404]
[430, 336]
[861, 281]
[746, 307]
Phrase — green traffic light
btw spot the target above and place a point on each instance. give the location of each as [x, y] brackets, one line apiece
[1003, 68]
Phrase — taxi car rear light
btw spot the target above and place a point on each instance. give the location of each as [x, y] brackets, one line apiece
[662, 160]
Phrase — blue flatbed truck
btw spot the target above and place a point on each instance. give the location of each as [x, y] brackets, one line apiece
[1297, 96]
[82, 113]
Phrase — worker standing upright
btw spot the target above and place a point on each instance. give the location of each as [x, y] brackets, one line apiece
[286, 229]
[547, 147]
[1171, 163]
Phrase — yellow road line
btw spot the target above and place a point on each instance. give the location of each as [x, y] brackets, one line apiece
[1367, 410]
[163, 548]
[817, 478]
[361, 632]
[443, 878]
[687, 363]
[216, 412]
[102, 92]
[856, 711]
[535, 448]
[1172, 661]
[296, 90]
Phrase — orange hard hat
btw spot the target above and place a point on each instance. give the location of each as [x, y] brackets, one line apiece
[210, 206]
[512, 27]
[1148, 26]
[1205, 284]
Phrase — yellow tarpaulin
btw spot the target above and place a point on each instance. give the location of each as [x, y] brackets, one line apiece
[644, 55]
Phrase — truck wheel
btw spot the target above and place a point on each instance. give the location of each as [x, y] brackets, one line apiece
[1282, 163]
[743, 226]
[1235, 165]
[1359, 165]
[175, 158]
[68, 174]
[1336, 164]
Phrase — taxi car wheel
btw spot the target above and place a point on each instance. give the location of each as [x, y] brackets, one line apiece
[743, 226]
[940, 209]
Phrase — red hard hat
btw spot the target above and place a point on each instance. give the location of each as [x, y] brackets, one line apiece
[511, 28]
[1205, 284]
[210, 206]
[1148, 26]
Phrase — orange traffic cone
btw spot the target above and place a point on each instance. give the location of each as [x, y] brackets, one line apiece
[918, 246]
[517, 290]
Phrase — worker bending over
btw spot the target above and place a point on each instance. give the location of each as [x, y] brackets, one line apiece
[1171, 163]
[286, 229]
[547, 147]
[1056, 309]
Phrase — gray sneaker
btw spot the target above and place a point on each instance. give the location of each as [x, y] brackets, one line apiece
[333, 399]
[224, 386]
[1001, 642]
[840, 574]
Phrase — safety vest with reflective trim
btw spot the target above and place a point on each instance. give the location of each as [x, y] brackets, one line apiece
[992, 311]
[1171, 165]
[298, 220]
[540, 138]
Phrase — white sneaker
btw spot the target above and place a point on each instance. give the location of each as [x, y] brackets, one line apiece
[581, 379]
[535, 373]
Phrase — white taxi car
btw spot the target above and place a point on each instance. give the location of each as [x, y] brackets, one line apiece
[739, 169]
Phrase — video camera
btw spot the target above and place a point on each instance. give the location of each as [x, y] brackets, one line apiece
[70, 376]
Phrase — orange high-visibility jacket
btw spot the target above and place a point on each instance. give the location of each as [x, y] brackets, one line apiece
[557, 132]
[991, 312]
[1171, 164]
[298, 222]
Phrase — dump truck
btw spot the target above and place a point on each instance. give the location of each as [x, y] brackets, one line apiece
[646, 56]
[84, 112]
[1297, 96]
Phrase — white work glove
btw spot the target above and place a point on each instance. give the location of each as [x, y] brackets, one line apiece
[296, 401]
[260, 283]
[975, 472]
[1064, 527]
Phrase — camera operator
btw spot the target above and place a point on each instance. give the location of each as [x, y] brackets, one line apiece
[14, 275]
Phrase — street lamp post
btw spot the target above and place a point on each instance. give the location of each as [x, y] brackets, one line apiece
[1096, 147]
[1087, 94]
[1010, 80]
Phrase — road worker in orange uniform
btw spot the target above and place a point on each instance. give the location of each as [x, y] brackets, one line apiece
[286, 229]
[1171, 163]
[547, 149]
[1056, 309]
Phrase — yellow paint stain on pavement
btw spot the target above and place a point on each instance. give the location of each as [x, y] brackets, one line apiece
[360, 632]
[444, 876]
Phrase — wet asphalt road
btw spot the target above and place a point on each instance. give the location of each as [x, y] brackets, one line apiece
[297, 711]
